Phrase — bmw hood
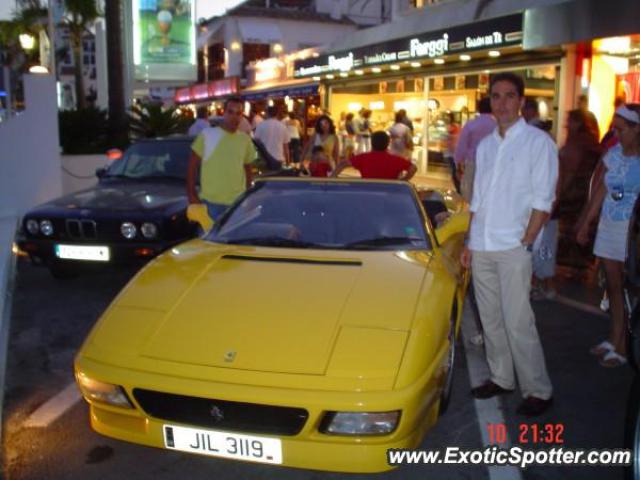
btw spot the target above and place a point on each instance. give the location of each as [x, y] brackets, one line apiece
[123, 196]
[261, 309]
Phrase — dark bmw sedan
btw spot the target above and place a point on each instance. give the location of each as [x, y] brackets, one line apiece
[136, 211]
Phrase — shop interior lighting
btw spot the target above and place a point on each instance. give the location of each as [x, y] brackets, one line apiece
[277, 48]
[439, 61]
[376, 69]
[614, 45]
[494, 53]
[344, 74]
[395, 67]
[316, 79]
[465, 58]
[416, 64]
[329, 77]
[235, 46]
[377, 105]
[359, 72]
[354, 106]
[39, 69]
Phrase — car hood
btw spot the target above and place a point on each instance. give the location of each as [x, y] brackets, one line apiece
[123, 195]
[263, 309]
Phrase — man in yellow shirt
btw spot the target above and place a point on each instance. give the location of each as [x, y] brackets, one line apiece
[223, 156]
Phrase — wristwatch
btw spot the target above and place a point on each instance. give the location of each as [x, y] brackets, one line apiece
[528, 247]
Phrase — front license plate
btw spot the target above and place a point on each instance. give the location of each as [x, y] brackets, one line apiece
[83, 252]
[223, 444]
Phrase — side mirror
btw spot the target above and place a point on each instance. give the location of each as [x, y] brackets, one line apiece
[197, 212]
[101, 172]
[458, 223]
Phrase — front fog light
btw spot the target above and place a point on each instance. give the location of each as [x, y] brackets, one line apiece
[46, 227]
[128, 230]
[360, 423]
[149, 230]
[102, 392]
[32, 226]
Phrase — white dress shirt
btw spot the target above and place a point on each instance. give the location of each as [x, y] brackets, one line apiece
[514, 175]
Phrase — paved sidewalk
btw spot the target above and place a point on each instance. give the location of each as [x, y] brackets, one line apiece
[7, 273]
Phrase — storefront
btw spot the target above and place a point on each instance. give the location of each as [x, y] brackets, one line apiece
[562, 51]
[437, 78]
[270, 82]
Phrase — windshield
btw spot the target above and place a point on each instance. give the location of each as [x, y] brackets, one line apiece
[334, 215]
[162, 159]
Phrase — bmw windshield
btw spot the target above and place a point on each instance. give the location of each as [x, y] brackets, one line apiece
[345, 215]
[157, 159]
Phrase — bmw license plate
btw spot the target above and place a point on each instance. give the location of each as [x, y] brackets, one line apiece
[223, 444]
[82, 252]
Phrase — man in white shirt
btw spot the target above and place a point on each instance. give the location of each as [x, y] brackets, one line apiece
[513, 190]
[274, 136]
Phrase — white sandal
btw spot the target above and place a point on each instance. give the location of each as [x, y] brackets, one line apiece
[613, 359]
[602, 348]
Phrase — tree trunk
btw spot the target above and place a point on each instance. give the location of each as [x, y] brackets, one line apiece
[118, 135]
[81, 97]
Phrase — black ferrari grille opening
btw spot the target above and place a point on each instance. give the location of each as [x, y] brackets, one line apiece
[221, 414]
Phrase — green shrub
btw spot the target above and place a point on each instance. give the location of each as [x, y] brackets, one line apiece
[83, 131]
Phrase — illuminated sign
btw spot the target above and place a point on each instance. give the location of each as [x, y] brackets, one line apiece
[432, 48]
[163, 39]
[207, 91]
[496, 32]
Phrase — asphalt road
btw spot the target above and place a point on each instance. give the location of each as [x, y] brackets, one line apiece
[51, 318]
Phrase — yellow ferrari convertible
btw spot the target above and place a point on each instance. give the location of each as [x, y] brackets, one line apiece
[313, 326]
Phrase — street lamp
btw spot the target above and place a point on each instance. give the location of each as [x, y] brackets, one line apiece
[27, 41]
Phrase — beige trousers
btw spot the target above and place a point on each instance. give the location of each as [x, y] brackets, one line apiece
[502, 281]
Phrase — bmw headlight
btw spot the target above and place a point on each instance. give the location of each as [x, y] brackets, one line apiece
[128, 230]
[102, 392]
[32, 226]
[149, 230]
[46, 227]
[360, 423]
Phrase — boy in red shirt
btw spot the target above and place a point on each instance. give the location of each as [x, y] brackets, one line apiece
[379, 163]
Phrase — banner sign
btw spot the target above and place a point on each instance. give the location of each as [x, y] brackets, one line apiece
[164, 39]
[488, 34]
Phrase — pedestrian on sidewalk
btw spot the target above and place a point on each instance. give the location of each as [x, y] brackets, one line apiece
[513, 191]
[221, 157]
[325, 137]
[613, 200]
[470, 136]
[273, 134]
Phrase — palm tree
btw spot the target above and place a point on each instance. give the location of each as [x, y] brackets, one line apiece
[79, 15]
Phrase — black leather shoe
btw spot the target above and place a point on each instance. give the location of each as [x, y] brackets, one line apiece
[534, 406]
[489, 389]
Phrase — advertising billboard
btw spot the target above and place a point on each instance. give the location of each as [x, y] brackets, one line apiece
[164, 39]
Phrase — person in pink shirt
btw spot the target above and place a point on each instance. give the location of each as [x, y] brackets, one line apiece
[465, 154]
